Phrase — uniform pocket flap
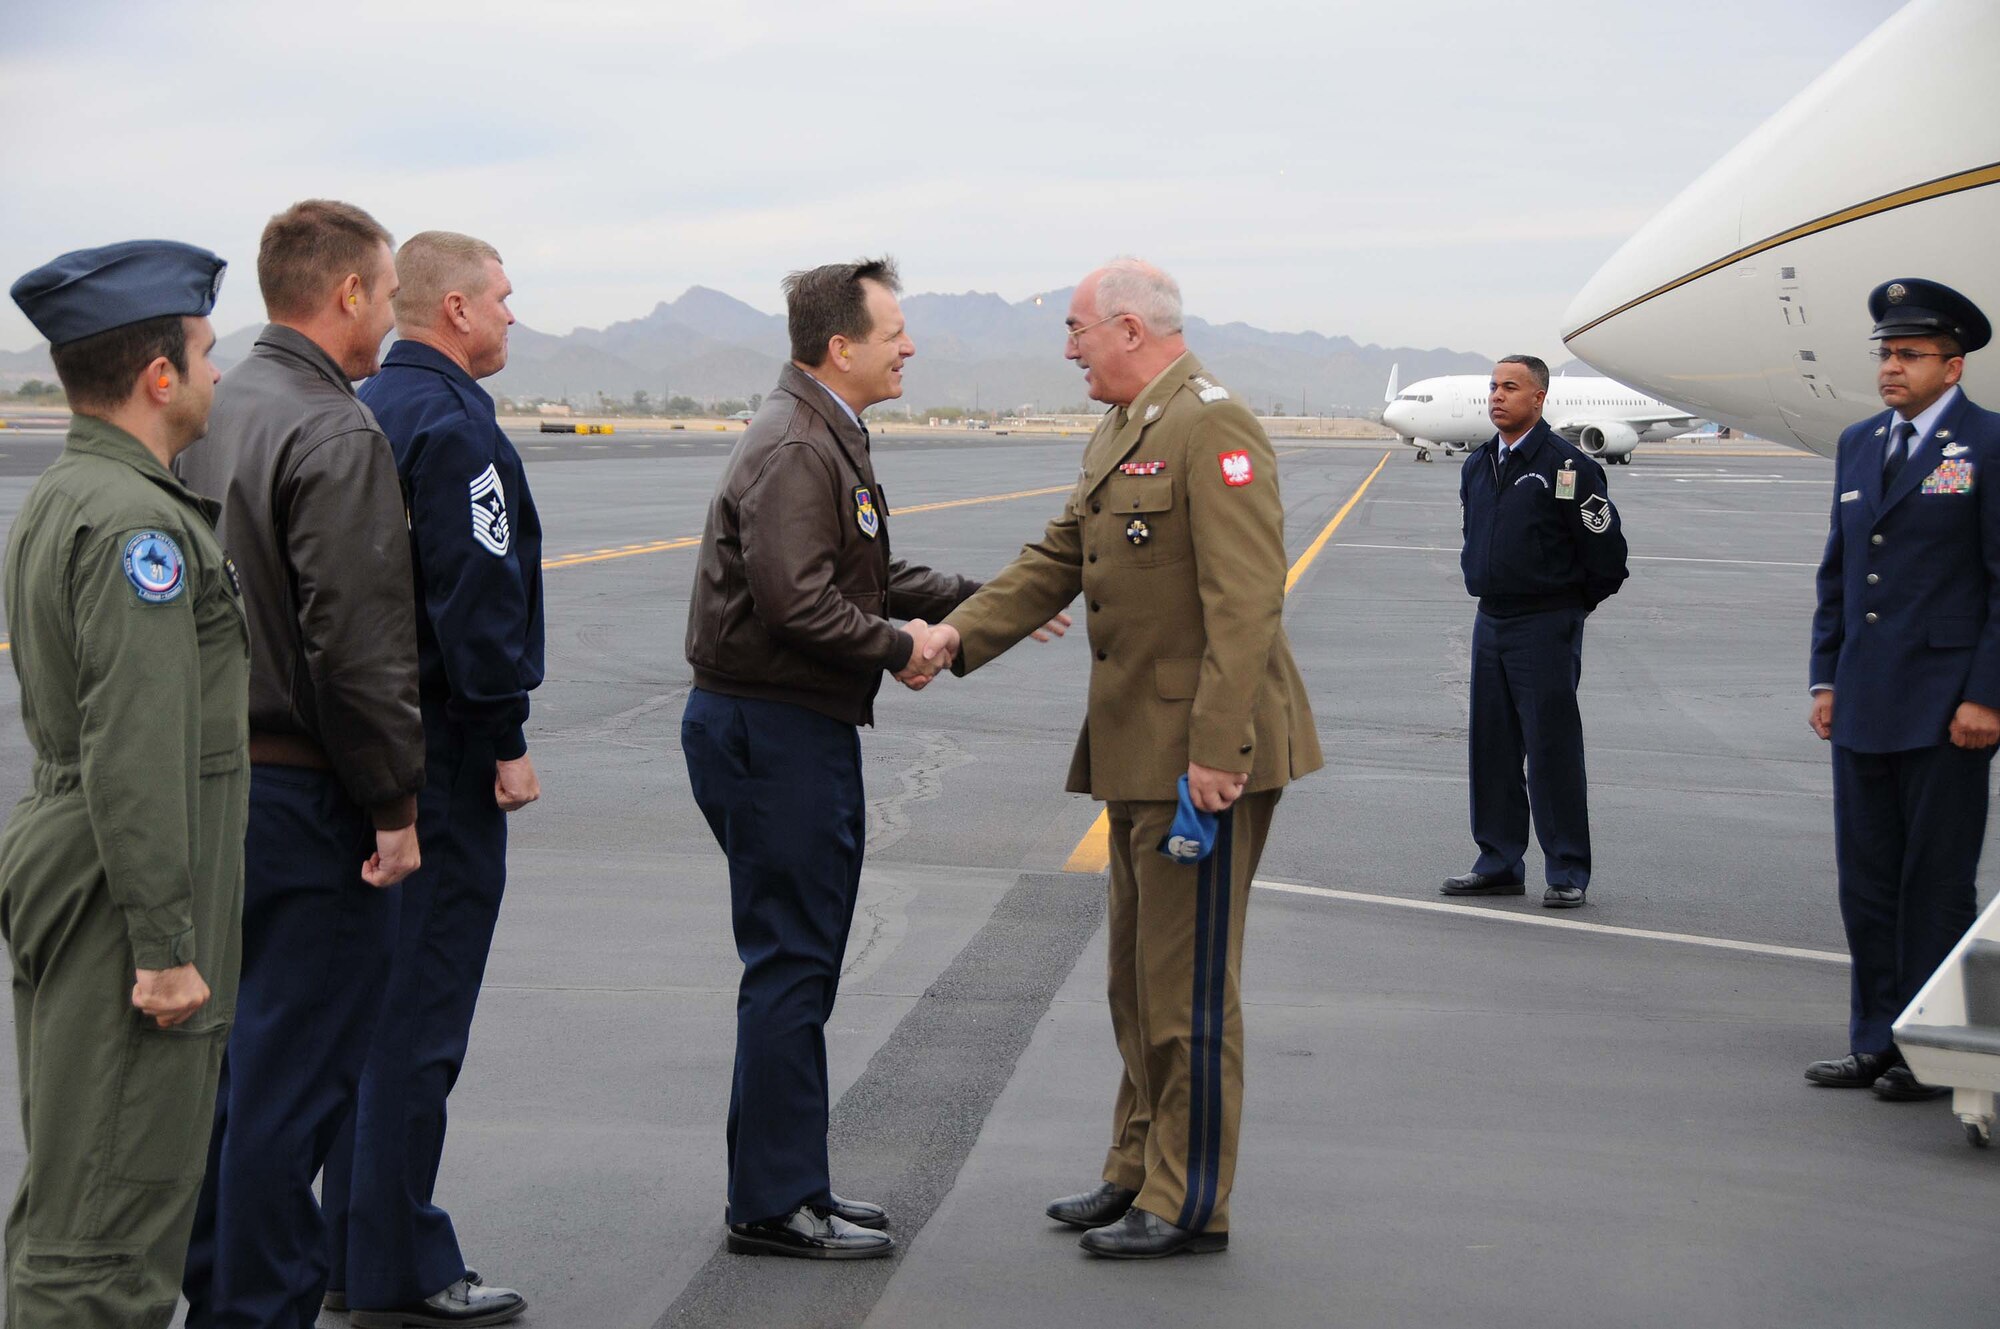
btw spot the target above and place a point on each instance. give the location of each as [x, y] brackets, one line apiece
[1143, 493]
[1954, 631]
[1177, 679]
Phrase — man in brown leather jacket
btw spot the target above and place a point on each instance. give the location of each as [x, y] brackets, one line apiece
[789, 634]
[313, 514]
[1175, 535]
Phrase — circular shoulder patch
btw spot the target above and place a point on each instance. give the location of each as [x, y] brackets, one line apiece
[154, 566]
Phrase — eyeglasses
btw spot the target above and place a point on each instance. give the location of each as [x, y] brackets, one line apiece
[1903, 355]
[1075, 333]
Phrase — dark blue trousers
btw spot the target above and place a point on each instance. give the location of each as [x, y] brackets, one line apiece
[316, 944]
[1907, 831]
[781, 788]
[388, 1243]
[1525, 671]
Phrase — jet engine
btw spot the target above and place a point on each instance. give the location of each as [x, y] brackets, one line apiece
[1610, 442]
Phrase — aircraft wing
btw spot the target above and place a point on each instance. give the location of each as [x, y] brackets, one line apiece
[1571, 426]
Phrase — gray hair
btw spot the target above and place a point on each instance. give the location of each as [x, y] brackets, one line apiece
[1128, 285]
[433, 264]
[1536, 367]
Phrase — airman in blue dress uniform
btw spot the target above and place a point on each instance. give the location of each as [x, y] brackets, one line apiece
[476, 550]
[1543, 547]
[1907, 637]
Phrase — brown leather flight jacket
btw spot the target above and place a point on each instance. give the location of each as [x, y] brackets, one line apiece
[795, 585]
[312, 513]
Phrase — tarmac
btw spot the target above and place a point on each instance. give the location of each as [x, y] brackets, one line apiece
[1475, 1114]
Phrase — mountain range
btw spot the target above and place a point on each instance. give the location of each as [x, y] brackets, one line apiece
[973, 349]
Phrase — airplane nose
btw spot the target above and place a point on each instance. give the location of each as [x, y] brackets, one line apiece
[1396, 415]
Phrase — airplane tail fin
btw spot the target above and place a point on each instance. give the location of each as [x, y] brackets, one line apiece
[1389, 393]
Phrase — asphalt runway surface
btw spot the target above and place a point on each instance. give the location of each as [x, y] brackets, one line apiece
[1468, 1114]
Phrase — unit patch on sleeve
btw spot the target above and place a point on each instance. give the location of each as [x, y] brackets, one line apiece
[866, 518]
[490, 526]
[1951, 477]
[1236, 468]
[1596, 514]
[154, 566]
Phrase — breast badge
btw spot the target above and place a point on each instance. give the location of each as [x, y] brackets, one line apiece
[1138, 532]
[866, 518]
[154, 566]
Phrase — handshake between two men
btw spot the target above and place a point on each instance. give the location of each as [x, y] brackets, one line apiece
[934, 648]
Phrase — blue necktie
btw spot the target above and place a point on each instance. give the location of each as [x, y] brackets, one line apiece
[1899, 452]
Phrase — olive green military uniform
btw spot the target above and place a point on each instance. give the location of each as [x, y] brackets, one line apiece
[1175, 536]
[126, 854]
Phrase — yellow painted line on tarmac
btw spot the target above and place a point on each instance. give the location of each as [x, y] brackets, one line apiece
[1326, 533]
[624, 551]
[690, 541]
[1093, 851]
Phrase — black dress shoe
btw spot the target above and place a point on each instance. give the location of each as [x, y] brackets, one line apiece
[336, 1297]
[860, 1213]
[809, 1232]
[1143, 1236]
[1856, 1070]
[466, 1302]
[1562, 897]
[1106, 1204]
[1899, 1084]
[1480, 883]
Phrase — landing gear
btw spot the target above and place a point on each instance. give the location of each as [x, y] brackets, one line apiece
[1423, 454]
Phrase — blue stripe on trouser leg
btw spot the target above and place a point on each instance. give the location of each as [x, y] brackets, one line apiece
[1198, 1039]
[1211, 985]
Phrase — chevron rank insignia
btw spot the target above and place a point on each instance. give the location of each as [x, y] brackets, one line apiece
[1596, 514]
[489, 513]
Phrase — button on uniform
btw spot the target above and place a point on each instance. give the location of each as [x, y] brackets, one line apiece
[1869, 617]
[1874, 577]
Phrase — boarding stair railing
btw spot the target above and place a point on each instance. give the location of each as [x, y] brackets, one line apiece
[1950, 1033]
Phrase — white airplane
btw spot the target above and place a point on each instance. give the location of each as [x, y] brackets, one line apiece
[1605, 419]
[1746, 298]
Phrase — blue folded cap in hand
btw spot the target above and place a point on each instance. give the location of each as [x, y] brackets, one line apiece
[1192, 836]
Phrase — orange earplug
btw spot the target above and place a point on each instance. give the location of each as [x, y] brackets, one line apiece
[166, 382]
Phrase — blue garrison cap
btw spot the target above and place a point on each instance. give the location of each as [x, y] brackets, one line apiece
[1192, 836]
[95, 290]
[1913, 307]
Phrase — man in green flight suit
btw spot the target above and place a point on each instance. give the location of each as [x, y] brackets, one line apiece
[121, 870]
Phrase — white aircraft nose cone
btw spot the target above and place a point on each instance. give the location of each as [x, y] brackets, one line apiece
[1396, 415]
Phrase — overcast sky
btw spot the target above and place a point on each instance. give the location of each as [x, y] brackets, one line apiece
[1424, 172]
